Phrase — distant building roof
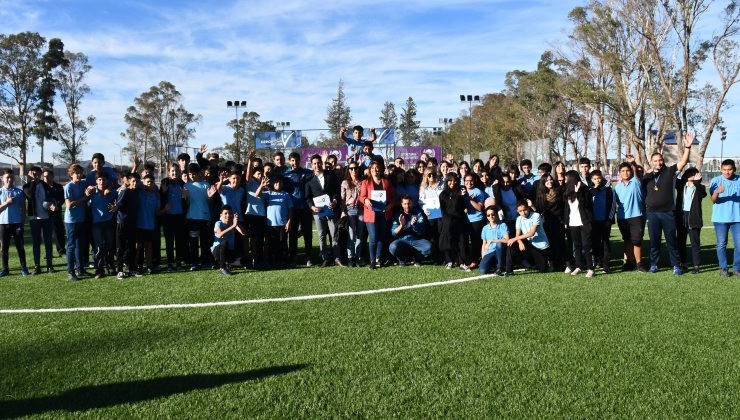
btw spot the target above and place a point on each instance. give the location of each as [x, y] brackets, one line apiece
[670, 137]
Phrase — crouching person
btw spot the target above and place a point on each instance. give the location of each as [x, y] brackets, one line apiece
[223, 241]
[494, 237]
[409, 229]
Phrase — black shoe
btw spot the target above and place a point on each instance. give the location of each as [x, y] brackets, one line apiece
[49, 269]
[628, 266]
[83, 273]
[499, 273]
[401, 263]
[373, 266]
[325, 264]
[72, 277]
[641, 269]
[350, 263]
[194, 268]
[695, 270]
[36, 270]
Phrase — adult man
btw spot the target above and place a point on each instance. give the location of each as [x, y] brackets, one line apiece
[725, 193]
[297, 177]
[630, 217]
[40, 201]
[323, 186]
[56, 192]
[660, 204]
[409, 229]
[279, 160]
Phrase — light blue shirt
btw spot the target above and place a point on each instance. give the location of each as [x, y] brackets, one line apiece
[255, 203]
[525, 224]
[12, 213]
[148, 206]
[74, 191]
[498, 231]
[279, 204]
[174, 197]
[688, 196]
[228, 239]
[479, 197]
[509, 203]
[630, 199]
[726, 209]
[99, 203]
[198, 208]
[232, 197]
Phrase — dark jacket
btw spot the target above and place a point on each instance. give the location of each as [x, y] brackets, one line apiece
[585, 207]
[695, 215]
[610, 203]
[30, 190]
[331, 188]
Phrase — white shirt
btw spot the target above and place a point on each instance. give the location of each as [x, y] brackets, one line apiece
[575, 215]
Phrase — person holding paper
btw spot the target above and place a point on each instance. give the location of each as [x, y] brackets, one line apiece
[429, 191]
[322, 197]
[376, 193]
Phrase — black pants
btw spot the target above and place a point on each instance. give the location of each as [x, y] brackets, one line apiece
[301, 225]
[540, 257]
[59, 239]
[694, 234]
[582, 245]
[125, 246]
[277, 244]
[102, 234]
[16, 231]
[175, 238]
[476, 242]
[434, 239]
[600, 231]
[199, 234]
[222, 255]
[555, 232]
[257, 226]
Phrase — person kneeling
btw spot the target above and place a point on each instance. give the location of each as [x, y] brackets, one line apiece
[530, 240]
[409, 229]
[223, 241]
[494, 237]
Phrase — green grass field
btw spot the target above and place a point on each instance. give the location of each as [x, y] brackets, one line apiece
[530, 346]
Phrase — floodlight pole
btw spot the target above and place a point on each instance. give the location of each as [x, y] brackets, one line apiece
[236, 105]
[470, 99]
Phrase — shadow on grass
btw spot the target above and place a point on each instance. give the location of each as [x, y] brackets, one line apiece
[108, 395]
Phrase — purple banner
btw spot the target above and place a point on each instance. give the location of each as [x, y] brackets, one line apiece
[324, 152]
[411, 154]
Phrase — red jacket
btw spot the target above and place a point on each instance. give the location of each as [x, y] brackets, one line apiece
[368, 215]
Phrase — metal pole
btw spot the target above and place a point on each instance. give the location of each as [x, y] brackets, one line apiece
[470, 125]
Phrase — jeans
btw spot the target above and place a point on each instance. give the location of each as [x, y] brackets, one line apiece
[721, 230]
[75, 233]
[376, 232]
[408, 246]
[662, 222]
[103, 247]
[327, 225]
[42, 228]
[499, 253]
[354, 237]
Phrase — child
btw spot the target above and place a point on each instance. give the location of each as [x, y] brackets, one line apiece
[578, 216]
[223, 241]
[197, 194]
[103, 206]
[256, 215]
[145, 230]
[690, 192]
[171, 189]
[127, 202]
[603, 207]
[279, 213]
[75, 199]
[530, 240]
[11, 221]
[494, 237]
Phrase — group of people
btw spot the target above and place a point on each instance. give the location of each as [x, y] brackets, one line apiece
[456, 214]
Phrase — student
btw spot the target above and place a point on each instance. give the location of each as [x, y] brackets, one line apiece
[453, 203]
[56, 191]
[376, 213]
[223, 241]
[76, 195]
[660, 204]
[256, 215]
[409, 230]
[351, 208]
[127, 202]
[630, 216]
[429, 191]
[197, 195]
[279, 214]
[11, 221]
[494, 237]
[603, 207]
[493, 168]
[103, 208]
[183, 161]
[40, 204]
[507, 194]
[357, 142]
[149, 209]
[324, 183]
[550, 205]
[528, 179]
[689, 221]
[476, 221]
[530, 239]
[725, 194]
[578, 217]
[295, 185]
[173, 220]
[584, 169]
[233, 194]
[278, 159]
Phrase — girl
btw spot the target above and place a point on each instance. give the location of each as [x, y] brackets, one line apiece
[689, 195]
[494, 237]
[476, 221]
[453, 202]
[376, 193]
[549, 203]
[350, 194]
[429, 191]
[173, 219]
[578, 216]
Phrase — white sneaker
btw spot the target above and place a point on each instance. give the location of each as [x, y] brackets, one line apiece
[448, 266]
[567, 270]
[464, 268]
[575, 272]
[590, 273]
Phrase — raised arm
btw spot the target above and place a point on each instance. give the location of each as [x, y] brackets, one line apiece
[688, 141]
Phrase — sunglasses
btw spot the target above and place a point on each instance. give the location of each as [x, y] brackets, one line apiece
[490, 215]
[352, 168]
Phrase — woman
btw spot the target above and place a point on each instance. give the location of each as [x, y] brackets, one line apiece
[550, 205]
[376, 193]
[463, 169]
[476, 221]
[453, 202]
[578, 215]
[559, 169]
[478, 167]
[493, 168]
[429, 191]
[506, 194]
[350, 193]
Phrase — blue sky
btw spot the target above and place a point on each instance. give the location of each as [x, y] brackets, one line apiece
[285, 58]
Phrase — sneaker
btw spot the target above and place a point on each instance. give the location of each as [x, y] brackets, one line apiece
[338, 262]
[464, 268]
[416, 263]
[150, 271]
[309, 264]
[473, 266]
[225, 271]
[576, 272]
[36, 270]
[401, 263]
[5, 272]
[448, 266]
[695, 270]
[324, 263]
[49, 269]
[350, 263]
[373, 266]
[83, 273]
[72, 277]
[628, 266]
[136, 273]
[724, 272]
[641, 269]
[568, 270]
[24, 272]
[508, 274]
[677, 271]
[120, 275]
[194, 267]
[98, 276]
[653, 269]
[499, 273]
[170, 269]
[590, 273]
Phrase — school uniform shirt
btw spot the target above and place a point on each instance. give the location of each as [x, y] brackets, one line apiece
[296, 185]
[525, 224]
[173, 197]
[508, 201]
[110, 174]
[198, 208]
[688, 196]
[99, 203]
[148, 206]
[128, 206]
[527, 183]
[279, 204]
[630, 198]
[255, 203]
[74, 191]
[13, 213]
[227, 239]
[727, 207]
[602, 201]
[479, 197]
[233, 197]
[497, 232]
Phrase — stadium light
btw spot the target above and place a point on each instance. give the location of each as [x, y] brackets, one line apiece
[470, 99]
[236, 105]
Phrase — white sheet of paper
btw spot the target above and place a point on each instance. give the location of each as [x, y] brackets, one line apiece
[322, 200]
[431, 203]
[378, 195]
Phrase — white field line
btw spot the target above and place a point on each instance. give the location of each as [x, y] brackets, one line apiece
[241, 302]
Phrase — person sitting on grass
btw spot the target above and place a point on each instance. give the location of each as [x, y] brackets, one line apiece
[11, 221]
[409, 229]
[494, 237]
[223, 240]
[725, 194]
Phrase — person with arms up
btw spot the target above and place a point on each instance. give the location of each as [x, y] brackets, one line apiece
[630, 217]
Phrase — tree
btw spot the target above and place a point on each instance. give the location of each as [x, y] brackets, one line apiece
[70, 128]
[249, 125]
[338, 113]
[21, 71]
[408, 125]
[388, 117]
[45, 119]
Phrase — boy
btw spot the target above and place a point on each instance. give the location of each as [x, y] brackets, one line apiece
[103, 208]
[689, 221]
[630, 215]
[256, 215]
[584, 168]
[11, 221]
[197, 194]
[127, 202]
[223, 241]
[528, 178]
[76, 195]
[530, 239]
[40, 204]
[149, 209]
[495, 235]
[725, 191]
[279, 214]
[602, 200]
